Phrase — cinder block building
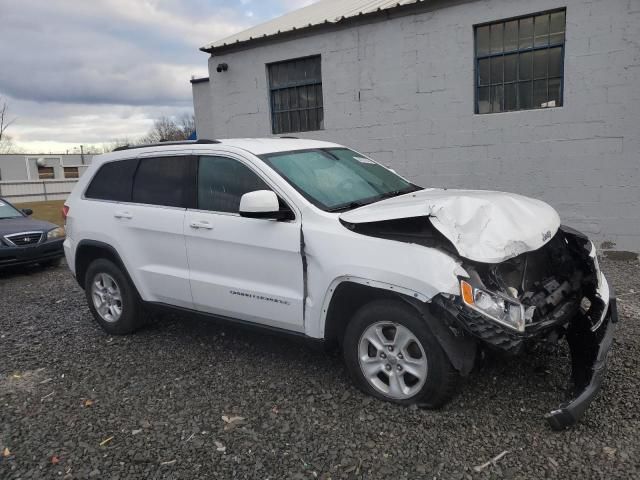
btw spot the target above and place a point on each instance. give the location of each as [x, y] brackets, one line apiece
[536, 97]
[24, 167]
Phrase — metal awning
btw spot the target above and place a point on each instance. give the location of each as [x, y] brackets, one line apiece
[322, 12]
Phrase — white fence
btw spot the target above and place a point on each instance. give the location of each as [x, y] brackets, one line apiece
[23, 191]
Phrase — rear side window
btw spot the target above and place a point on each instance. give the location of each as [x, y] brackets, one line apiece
[113, 181]
[221, 183]
[167, 181]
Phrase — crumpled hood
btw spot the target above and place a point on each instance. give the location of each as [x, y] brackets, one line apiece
[484, 226]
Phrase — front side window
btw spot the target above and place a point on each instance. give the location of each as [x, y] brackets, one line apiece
[167, 181]
[8, 211]
[113, 181]
[337, 179]
[520, 63]
[295, 88]
[222, 181]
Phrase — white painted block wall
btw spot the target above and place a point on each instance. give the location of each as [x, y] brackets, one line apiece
[402, 90]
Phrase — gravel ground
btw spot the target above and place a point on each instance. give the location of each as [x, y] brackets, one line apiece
[77, 403]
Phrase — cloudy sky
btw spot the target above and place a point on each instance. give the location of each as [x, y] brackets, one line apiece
[93, 71]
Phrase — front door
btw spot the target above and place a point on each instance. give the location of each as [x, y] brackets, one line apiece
[240, 267]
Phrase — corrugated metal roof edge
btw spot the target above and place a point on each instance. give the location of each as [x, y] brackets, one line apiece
[312, 29]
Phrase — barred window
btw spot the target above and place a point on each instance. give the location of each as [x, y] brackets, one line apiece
[45, 173]
[71, 172]
[520, 63]
[296, 95]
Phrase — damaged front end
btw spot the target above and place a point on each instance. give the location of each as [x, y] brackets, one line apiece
[548, 294]
[529, 279]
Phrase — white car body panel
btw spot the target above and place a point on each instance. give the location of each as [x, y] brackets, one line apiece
[484, 226]
[69, 253]
[246, 268]
[335, 254]
[153, 244]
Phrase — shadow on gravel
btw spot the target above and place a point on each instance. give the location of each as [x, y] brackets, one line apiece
[23, 270]
[193, 331]
[542, 373]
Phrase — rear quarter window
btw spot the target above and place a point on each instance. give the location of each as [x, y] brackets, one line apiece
[113, 181]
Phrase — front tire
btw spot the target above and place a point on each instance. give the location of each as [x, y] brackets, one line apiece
[391, 354]
[112, 297]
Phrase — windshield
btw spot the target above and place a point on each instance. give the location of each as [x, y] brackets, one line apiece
[337, 179]
[8, 211]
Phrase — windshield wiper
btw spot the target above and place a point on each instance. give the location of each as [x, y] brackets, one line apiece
[377, 198]
[391, 194]
[347, 206]
[397, 193]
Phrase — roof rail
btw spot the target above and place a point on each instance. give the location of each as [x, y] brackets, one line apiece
[201, 141]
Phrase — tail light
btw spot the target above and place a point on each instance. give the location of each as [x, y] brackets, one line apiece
[65, 212]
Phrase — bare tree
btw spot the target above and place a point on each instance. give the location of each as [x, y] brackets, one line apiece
[118, 142]
[169, 129]
[93, 150]
[6, 144]
[188, 124]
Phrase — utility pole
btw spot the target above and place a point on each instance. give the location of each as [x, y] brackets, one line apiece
[82, 154]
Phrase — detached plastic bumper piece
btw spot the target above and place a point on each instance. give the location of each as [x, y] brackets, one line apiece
[589, 351]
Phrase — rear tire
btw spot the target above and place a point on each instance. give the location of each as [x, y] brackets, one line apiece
[112, 298]
[391, 354]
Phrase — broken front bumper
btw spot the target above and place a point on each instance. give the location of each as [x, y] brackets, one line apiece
[589, 351]
[589, 345]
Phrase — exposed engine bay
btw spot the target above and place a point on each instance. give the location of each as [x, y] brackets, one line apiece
[554, 284]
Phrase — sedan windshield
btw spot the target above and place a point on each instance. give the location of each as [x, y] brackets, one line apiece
[8, 211]
[337, 179]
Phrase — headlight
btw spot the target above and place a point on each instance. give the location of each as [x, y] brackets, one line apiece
[497, 307]
[57, 232]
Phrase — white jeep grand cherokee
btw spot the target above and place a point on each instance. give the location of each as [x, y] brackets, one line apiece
[315, 239]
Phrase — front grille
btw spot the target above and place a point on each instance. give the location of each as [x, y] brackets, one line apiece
[24, 239]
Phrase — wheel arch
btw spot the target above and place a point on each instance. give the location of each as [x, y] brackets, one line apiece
[89, 250]
[348, 294]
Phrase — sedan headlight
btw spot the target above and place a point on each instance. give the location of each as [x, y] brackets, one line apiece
[497, 307]
[57, 232]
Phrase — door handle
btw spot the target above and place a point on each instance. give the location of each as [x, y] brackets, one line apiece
[197, 225]
[126, 215]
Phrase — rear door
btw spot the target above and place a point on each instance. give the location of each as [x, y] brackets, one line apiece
[150, 227]
[240, 267]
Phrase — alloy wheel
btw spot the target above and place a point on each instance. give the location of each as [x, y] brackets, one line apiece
[107, 298]
[392, 359]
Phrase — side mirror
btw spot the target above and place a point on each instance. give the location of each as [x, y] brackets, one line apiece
[27, 211]
[260, 204]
